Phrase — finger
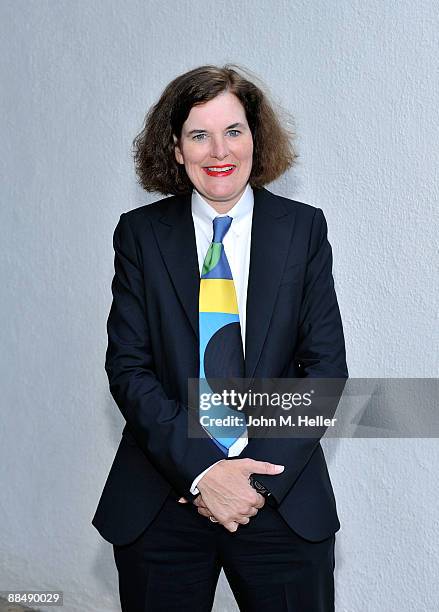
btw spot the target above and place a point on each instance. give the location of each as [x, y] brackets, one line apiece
[260, 501]
[263, 467]
[232, 527]
[204, 512]
[201, 505]
[243, 520]
[252, 511]
[199, 502]
[183, 500]
[257, 501]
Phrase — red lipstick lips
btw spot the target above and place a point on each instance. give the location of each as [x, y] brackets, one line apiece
[216, 171]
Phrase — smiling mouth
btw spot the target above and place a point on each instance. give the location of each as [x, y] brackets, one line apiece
[219, 171]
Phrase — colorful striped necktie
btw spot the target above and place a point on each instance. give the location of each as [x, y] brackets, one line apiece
[221, 353]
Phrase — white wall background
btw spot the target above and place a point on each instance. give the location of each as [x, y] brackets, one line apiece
[77, 77]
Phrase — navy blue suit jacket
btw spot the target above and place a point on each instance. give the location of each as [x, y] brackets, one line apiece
[293, 329]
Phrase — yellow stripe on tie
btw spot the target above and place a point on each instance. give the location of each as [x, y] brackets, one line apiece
[218, 295]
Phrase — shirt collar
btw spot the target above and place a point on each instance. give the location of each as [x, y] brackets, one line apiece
[205, 213]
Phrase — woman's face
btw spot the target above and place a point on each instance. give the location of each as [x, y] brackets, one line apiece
[216, 148]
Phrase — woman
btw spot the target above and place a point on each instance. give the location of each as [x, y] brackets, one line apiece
[221, 279]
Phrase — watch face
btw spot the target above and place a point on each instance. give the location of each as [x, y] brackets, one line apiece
[258, 487]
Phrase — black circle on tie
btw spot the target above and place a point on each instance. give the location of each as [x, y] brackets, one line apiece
[224, 359]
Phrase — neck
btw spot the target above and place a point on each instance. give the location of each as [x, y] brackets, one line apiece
[221, 207]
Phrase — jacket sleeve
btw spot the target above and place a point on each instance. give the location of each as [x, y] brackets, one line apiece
[320, 353]
[159, 424]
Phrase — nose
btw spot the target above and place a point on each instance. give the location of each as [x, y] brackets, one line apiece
[219, 148]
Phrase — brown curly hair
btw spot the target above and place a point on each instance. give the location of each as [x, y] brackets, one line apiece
[153, 148]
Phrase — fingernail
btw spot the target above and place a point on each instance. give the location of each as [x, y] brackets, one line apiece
[279, 469]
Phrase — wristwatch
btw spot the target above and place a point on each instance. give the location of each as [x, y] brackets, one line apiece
[260, 488]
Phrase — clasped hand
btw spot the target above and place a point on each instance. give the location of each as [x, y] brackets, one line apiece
[226, 494]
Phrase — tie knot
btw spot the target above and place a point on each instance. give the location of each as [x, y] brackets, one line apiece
[221, 226]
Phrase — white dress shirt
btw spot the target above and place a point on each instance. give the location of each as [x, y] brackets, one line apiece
[237, 248]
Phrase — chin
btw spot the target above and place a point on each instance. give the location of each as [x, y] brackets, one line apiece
[226, 197]
[224, 194]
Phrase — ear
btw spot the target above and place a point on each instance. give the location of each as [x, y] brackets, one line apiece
[177, 150]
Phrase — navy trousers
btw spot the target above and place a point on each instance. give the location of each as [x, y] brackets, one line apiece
[175, 563]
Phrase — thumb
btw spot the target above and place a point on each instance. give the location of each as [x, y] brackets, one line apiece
[265, 467]
[183, 500]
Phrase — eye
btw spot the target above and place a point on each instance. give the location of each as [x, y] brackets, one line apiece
[199, 137]
[234, 133]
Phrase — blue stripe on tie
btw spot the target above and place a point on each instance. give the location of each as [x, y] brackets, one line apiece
[224, 449]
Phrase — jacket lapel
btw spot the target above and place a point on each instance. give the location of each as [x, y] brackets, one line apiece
[176, 238]
[270, 241]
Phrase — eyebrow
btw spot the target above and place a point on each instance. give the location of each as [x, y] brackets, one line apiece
[229, 127]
